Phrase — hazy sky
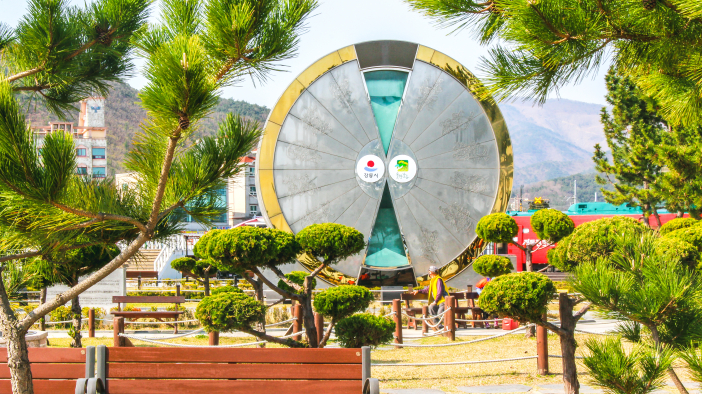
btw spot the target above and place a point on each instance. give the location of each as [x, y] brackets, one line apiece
[338, 23]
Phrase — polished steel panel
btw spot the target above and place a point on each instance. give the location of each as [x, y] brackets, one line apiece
[462, 146]
[475, 181]
[398, 189]
[413, 239]
[329, 210]
[299, 157]
[318, 121]
[374, 189]
[386, 53]
[459, 220]
[464, 119]
[420, 92]
[483, 155]
[478, 205]
[307, 182]
[295, 131]
[437, 244]
[297, 206]
[352, 92]
[338, 100]
[438, 98]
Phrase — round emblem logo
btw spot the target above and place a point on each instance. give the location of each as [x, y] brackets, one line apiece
[370, 168]
[402, 168]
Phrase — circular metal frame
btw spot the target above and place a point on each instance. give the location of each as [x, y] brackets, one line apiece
[265, 184]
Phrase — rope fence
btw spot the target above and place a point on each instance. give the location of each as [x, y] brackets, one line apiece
[467, 342]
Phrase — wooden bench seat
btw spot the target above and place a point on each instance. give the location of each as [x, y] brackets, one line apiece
[158, 315]
[54, 371]
[225, 371]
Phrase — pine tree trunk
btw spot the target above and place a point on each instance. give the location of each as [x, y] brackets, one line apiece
[257, 285]
[206, 282]
[658, 218]
[308, 314]
[671, 372]
[17, 355]
[568, 344]
[679, 214]
[77, 322]
[529, 266]
[42, 300]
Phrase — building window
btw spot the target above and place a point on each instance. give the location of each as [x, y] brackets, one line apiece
[252, 190]
[82, 170]
[252, 171]
[82, 152]
[98, 172]
[98, 153]
[253, 209]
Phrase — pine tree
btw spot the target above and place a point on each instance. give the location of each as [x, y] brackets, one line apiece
[545, 44]
[65, 54]
[634, 131]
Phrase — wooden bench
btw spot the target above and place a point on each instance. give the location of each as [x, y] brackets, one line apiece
[228, 370]
[54, 371]
[158, 315]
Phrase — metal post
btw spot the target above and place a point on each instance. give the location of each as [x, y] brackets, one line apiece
[425, 326]
[365, 364]
[450, 317]
[91, 323]
[397, 310]
[297, 323]
[89, 362]
[139, 282]
[319, 325]
[214, 338]
[118, 328]
[177, 289]
[541, 350]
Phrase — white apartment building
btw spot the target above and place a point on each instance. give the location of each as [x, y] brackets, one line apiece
[89, 136]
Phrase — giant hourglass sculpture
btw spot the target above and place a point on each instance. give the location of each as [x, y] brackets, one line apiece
[396, 140]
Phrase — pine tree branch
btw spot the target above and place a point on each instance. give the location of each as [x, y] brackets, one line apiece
[84, 285]
[289, 342]
[552, 327]
[548, 23]
[170, 209]
[582, 311]
[39, 252]
[100, 216]
[318, 270]
[286, 294]
[327, 334]
[24, 74]
[282, 277]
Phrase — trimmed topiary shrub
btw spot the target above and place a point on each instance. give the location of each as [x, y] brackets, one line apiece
[595, 239]
[692, 235]
[497, 227]
[677, 224]
[227, 289]
[297, 277]
[677, 249]
[229, 311]
[557, 256]
[522, 296]
[342, 301]
[551, 225]
[364, 329]
[330, 242]
[491, 266]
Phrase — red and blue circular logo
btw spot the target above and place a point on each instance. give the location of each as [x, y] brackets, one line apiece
[370, 166]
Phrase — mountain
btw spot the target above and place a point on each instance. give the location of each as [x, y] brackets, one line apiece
[123, 114]
[554, 140]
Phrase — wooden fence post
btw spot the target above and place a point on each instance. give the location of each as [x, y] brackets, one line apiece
[91, 323]
[297, 323]
[214, 338]
[425, 326]
[450, 317]
[319, 325]
[542, 350]
[118, 328]
[397, 310]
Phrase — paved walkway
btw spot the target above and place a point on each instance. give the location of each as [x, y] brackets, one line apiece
[538, 389]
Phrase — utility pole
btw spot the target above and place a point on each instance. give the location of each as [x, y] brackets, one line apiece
[521, 195]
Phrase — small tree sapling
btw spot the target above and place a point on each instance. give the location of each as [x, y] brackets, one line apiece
[199, 269]
[340, 302]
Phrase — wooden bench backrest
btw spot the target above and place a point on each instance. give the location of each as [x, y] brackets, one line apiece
[149, 299]
[205, 370]
[54, 371]
[143, 274]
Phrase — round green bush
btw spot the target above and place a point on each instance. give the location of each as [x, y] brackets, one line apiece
[330, 242]
[285, 245]
[677, 224]
[497, 227]
[298, 278]
[342, 301]
[677, 249]
[227, 289]
[522, 296]
[364, 329]
[692, 235]
[551, 225]
[491, 266]
[596, 239]
[200, 250]
[557, 256]
[229, 311]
